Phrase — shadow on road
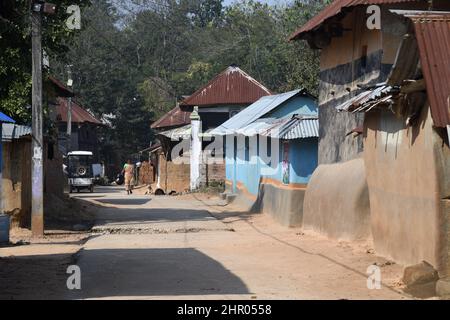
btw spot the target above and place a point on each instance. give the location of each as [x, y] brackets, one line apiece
[153, 272]
[118, 273]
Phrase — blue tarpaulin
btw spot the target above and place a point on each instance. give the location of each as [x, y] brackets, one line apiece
[5, 118]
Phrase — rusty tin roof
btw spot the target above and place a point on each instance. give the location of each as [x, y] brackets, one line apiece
[79, 115]
[231, 87]
[335, 8]
[433, 37]
[174, 118]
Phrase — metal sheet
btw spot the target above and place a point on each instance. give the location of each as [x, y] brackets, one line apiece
[79, 115]
[305, 128]
[174, 118]
[231, 87]
[178, 133]
[433, 38]
[13, 131]
[368, 99]
[334, 9]
[255, 111]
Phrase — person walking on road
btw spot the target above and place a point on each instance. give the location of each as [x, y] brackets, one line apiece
[128, 173]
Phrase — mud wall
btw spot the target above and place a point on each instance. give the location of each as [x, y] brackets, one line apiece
[146, 173]
[407, 174]
[284, 203]
[337, 201]
[173, 177]
[362, 57]
[16, 188]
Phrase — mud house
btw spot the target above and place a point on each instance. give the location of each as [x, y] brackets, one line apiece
[16, 172]
[384, 116]
[285, 125]
[227, 94]
[170, 177]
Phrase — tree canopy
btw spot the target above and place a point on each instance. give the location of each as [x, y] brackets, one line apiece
[133, 59]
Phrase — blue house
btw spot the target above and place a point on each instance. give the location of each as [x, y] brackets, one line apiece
[271, 152]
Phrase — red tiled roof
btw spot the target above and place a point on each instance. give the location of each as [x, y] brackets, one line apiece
[334, 9]
[433, 38]
[79, 115]
[231, 87]
[174, 118]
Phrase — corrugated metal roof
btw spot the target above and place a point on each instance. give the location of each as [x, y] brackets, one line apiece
[296, 127]
[178, 133]
[174, 118]
[368, 99]
[303, 128]
[183, 133]
[5, 118]
[231, 87]
[406, 61]
[79, 115]
[334, 9]
[260, 126]
[13, 131]
[433, 38]
[255, 111]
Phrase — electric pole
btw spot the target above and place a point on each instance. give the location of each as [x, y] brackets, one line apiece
[69, 111]
[37, 144]
[37, 184]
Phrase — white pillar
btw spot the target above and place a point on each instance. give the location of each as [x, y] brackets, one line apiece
[196, 149]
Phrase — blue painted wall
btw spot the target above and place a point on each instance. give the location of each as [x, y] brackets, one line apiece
[245, 164]
[297, 105]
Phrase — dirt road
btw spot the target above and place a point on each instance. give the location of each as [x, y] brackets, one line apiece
[192, 247]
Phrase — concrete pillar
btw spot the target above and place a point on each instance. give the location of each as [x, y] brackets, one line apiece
[196, 149]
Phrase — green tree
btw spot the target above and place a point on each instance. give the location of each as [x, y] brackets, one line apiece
[15, 49]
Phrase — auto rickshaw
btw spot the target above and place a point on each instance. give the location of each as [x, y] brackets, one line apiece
[80, 171]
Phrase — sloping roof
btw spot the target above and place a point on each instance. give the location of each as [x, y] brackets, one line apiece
[178, 133]
[174, 118]
[12, 131]
[255, 111]
[61, 89]
[79, 115]
[231, 87]
[302, 128]
[296, 127]
[335, 8]
[5, 118]
[433, 38]
[369, 99]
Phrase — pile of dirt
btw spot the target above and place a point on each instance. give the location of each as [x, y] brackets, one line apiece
[68, 213]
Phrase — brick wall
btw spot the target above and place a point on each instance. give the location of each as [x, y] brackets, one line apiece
[174, 177]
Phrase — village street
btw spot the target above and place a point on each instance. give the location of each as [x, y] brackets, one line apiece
[144, 247]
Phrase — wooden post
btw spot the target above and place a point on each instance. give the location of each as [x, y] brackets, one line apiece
[37, 185]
